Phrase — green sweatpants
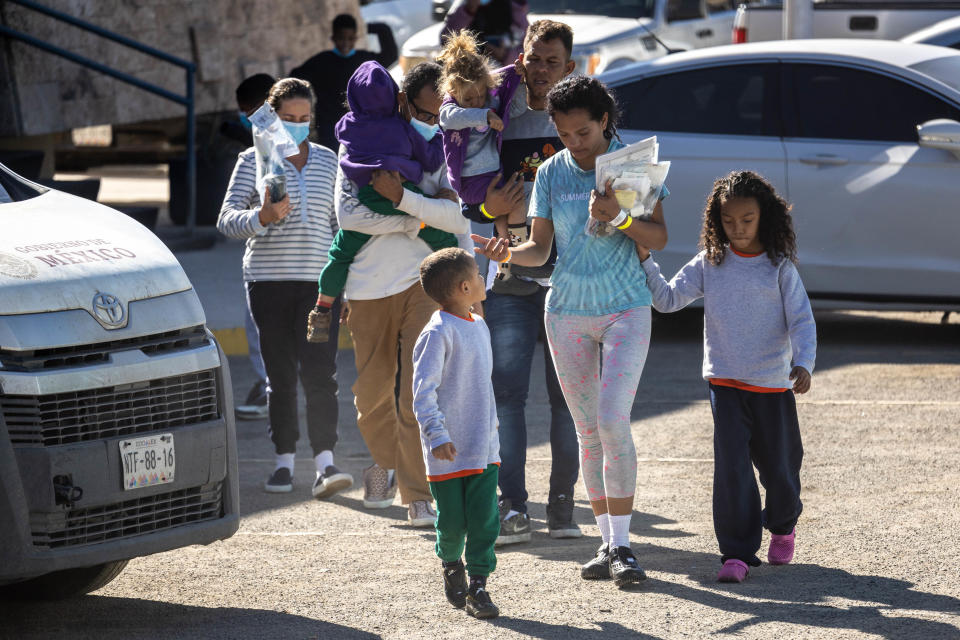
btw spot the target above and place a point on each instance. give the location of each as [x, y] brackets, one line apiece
[467, 510]
[346, 244]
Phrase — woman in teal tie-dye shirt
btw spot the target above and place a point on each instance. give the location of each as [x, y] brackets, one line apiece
[598, 307]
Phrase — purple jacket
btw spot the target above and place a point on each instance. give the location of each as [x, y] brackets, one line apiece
[455, 141]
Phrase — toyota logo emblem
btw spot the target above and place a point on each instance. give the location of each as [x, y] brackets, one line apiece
[108, 310]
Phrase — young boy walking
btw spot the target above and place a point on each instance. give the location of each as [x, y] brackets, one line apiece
[454, 404]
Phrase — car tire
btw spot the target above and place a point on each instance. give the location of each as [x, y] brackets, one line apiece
[59, 585]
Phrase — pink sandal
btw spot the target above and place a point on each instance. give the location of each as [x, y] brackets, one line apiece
[733, 570]
[781, 548]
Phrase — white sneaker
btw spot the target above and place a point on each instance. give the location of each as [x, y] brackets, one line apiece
[420, 513]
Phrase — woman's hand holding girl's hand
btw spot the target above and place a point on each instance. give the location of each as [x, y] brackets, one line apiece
[387, 184]
[497, 249]
[802, 380]
[446, 451]
[494, 120]
[271, 212]
[604, 207]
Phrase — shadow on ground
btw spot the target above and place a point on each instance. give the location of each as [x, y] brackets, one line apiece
[96, 617]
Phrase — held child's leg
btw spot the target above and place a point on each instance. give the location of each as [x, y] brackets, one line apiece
[736, 499]
[333, 278]
[777, 452]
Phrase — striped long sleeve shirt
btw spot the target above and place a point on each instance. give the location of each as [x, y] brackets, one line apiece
[296, 248]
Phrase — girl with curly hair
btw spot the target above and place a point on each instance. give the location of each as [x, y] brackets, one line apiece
[759, 345]
[598, 307]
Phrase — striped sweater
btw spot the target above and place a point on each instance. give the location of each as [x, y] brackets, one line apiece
[296, 248]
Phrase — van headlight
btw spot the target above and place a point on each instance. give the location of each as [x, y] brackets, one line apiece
[588, 61]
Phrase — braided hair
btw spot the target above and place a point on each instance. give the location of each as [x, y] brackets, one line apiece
[589, 94]
[775, 230]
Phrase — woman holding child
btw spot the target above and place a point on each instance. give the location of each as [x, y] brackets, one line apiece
[598, 307]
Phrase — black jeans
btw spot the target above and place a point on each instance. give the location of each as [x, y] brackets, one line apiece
[754, 429]
[280, 311]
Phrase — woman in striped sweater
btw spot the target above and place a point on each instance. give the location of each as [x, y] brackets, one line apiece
[287, 244]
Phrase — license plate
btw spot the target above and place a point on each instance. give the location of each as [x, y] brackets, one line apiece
[147, 461]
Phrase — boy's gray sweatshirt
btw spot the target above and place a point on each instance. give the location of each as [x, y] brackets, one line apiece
[453, 395]
[757, 319]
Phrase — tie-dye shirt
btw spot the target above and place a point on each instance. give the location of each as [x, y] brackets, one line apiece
[593, 276]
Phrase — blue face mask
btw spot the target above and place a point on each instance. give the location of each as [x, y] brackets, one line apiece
[484, 3]
[245, 121]
[347, 54]
[424, 129]
[297, 130]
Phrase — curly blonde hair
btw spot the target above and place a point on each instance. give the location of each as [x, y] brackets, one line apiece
[464, 65]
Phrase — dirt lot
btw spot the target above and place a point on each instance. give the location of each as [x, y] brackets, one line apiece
[877, 543]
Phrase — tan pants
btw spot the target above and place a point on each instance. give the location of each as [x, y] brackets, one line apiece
[378, 327]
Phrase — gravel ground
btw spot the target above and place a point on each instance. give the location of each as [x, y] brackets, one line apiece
[876, 554]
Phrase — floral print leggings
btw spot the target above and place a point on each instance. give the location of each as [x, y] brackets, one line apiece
[600, 396]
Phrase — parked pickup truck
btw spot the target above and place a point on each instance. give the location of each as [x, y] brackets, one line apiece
[876, 19]
[117, 437]
[608, 34]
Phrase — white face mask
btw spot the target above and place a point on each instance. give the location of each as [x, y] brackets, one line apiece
[424, 129]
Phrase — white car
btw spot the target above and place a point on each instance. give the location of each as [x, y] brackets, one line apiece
[404, 17]
[945, 33]
[613, 33]
[861, 136]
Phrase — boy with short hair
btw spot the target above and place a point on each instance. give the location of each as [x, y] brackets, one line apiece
[454, 404]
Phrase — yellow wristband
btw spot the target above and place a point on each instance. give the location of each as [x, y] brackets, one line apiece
[483, 210]
[626, 224]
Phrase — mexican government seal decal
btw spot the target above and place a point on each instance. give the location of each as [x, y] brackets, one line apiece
[16, 267]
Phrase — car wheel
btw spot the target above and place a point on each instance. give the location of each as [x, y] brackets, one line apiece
[68, 583]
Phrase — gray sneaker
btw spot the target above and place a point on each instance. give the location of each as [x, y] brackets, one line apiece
[420, 513]
[560, 518]
[513, 529]
[379, 487]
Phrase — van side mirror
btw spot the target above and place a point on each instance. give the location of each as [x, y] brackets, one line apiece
[940, 134]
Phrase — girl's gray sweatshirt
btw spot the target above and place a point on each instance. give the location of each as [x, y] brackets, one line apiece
[757, 319]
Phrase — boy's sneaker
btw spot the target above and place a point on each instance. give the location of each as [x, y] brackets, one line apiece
[599, 567]
[624, 568]
[420, 513]
[733, 570]
[514, 529]
[781, 548]
[379, 487]
[479, 604]
[330, 482]
[318, 325]
[560, 518]
[255, 407]
[280, 481]
[455, 585]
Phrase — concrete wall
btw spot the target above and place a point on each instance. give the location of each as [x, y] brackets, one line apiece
[227, 39]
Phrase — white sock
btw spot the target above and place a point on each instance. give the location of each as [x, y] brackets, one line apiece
[603, 521]
[620, 531]
[510, 514]
[285, 460]
[323, 460]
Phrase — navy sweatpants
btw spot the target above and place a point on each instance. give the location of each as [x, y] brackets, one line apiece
[754, 429]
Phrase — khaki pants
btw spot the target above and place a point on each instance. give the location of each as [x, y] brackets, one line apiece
[377, 328]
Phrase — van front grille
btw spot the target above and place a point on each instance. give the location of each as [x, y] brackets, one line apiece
[129, 518]
[110, 412]
[86, 354]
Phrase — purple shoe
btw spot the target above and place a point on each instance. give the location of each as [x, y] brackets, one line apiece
[781, 548]
[733, 571]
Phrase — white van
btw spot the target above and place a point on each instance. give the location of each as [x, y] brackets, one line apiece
[117, 437]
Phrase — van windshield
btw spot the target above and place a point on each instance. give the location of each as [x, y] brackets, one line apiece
[608, 8]
[945, 70]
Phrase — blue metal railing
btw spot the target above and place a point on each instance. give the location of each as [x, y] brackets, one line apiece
[186, 100]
